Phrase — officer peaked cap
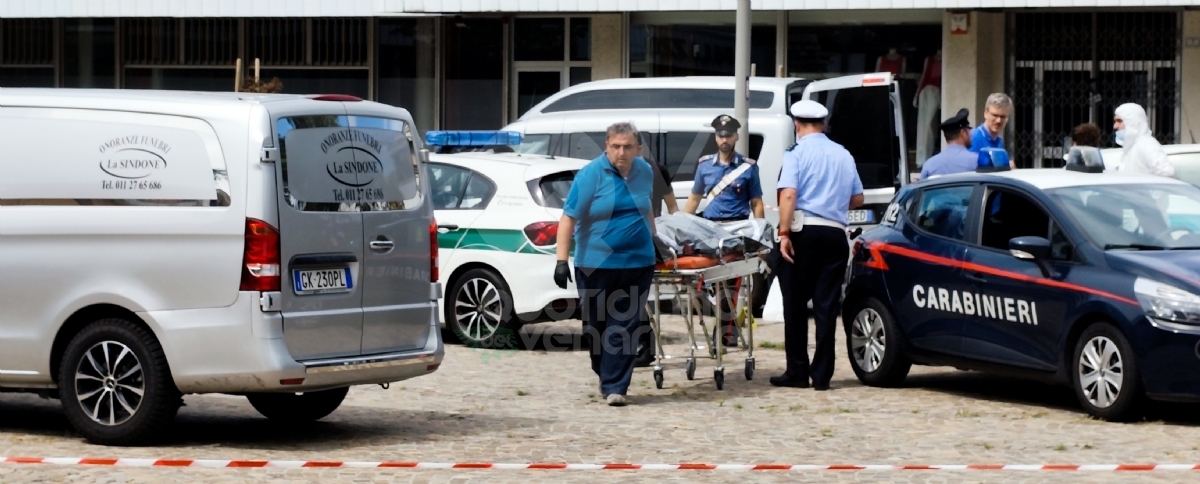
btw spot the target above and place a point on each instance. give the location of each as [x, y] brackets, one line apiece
[809, 110]
[725, 125]
[959, 122]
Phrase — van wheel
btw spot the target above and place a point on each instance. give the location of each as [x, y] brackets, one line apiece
[873, 343]
[115, 384]
[479, 310]
[1105, 374]
[298, 407]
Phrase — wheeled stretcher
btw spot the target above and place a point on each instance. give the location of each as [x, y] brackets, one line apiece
[732, 271]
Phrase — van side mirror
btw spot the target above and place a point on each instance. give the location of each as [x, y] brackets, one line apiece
[424, 156]
[1029, 248]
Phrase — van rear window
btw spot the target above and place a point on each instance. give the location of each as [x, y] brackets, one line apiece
[656, 99]
[348, 163]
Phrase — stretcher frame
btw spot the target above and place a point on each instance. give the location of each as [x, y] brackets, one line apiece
[693, 281]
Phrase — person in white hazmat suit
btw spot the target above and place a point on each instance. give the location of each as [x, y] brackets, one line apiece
[1143, 153]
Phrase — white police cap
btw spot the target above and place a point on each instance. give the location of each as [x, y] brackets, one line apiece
[808, 109]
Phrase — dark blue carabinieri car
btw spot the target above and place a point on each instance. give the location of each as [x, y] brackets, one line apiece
[1085, 279]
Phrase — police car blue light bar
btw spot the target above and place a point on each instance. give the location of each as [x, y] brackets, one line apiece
[993, 159]
[472, 138]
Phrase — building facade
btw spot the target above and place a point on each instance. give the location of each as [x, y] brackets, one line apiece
[479, 64]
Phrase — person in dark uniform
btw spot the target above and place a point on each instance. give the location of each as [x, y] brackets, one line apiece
[957, 157]
[730, 182]
[818, 185]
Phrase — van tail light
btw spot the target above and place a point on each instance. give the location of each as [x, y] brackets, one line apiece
[433, 251]
[542, 233]
[260, 261]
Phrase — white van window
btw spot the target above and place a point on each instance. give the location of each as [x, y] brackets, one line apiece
[534, 144]
[348, 163]
[589, 146]
[682, 149]
[112, 158]
[656, 99]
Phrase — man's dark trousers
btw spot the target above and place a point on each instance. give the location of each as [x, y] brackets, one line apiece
[820, 259]
[611, 303]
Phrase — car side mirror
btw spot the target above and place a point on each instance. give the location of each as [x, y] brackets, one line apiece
[1029, 248]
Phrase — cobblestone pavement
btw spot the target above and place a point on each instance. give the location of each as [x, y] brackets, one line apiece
[540, 405]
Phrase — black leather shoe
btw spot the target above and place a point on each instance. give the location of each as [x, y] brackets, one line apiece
[786, 381]
[821, 388]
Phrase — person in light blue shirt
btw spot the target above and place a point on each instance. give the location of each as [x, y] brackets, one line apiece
[608, 215]
[956, 158]
[996, 112]
[818, 186]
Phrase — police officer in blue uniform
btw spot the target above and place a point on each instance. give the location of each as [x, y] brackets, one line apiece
[730, 182]
[957, 157]
[818, 186]
[727, 178]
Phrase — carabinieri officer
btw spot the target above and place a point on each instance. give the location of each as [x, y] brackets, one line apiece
[818, 185]
[731, 183]
[729, 179]
[956, 158]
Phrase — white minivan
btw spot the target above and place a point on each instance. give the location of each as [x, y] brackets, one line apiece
[673, 114]
[145, 237]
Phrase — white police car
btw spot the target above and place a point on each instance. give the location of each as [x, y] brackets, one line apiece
[497, 214]
[1087, 279]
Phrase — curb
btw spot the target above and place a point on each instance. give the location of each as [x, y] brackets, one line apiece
[295, 464]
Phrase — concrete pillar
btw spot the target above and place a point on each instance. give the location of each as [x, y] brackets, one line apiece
[1190, 70]
[608, 46]
[972, 63]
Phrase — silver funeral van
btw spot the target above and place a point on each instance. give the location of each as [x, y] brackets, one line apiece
[156, 243]
[673, 114]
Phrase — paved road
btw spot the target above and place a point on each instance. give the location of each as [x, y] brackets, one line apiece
[543, 405]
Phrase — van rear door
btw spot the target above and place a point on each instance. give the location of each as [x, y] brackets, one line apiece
[397, 300]
[865, 117]
[321, 236]
[354, 233]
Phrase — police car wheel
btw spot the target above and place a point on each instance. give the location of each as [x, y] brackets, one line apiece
[1105, 374]
[873, 343]
[478, 310]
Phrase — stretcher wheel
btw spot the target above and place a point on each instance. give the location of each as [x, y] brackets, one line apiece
[750, 368]
[658, 378]
[719, 376]
[690, 369]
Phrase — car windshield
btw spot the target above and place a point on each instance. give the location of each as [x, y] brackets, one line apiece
[1135, 217]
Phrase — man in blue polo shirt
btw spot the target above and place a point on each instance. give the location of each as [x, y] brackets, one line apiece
[996, 112]
[608, 214]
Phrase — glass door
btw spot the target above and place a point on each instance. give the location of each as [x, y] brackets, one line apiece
[533, 85]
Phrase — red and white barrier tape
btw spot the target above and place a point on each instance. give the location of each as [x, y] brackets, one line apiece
[292, 464]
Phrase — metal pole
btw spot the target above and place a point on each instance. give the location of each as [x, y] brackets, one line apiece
[741, 72]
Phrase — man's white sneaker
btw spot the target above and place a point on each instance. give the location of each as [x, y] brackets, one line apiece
[617, 400]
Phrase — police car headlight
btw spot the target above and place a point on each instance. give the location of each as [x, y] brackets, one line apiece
[1167, 302]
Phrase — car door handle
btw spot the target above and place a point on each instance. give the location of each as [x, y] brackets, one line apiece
[976, 276]
[448, 227]
[382, 245]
